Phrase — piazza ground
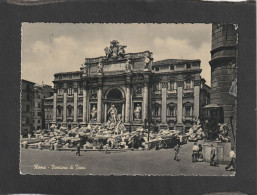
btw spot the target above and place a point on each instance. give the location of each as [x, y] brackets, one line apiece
[148, 162]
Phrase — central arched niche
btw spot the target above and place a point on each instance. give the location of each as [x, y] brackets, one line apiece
[114, 94]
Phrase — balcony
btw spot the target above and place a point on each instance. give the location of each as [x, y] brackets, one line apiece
[171, 118]
[188, 118]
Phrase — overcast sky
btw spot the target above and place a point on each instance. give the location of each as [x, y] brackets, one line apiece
[49, 48]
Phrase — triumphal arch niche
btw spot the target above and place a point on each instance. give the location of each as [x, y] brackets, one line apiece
[117, 83]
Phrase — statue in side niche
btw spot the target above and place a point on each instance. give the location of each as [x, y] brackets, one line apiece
[147, 61]
[128, 65]
[93, 113]
[137, 112]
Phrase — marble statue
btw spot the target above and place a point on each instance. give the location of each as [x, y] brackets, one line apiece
[137, 111]
[93, 113]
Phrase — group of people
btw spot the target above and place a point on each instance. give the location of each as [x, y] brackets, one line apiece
[197, 156]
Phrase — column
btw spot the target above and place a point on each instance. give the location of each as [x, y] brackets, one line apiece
[84, 102]
[65, 105]
[54, 106]
[123, 111]
[196, 98]
[164, 103]
[105, 112]
[180, 96]
[145, 101]
[75, 104]
[99, 101]
[127, 118]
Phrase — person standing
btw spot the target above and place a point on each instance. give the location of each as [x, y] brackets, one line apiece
[213, 154]
[200, 153]
[78, 149]
[232, 162]
[176, 149]
[106, 148]
[195, 152]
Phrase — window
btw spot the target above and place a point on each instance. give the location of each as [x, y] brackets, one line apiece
[172, 86]
[60, 91]
[188, 84]
[156, 69]
[50, 117]
[69, 111]
[59, 111]
[80, 111]
[39, 113]
[172, 67]
[188, 66]
[28, 96]
[156, 110]
[28, 108]
[171, 110]
[157, 87]
[39, 105]
[27, 120]
[38, 127]
[70, 91]
[188, 109]
[28, 87]
[38, 121]
[80, 90]
[33, 121]
[39, 96]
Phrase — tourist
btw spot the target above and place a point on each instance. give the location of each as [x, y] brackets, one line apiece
[101, 147]
[195, 152]
[232, 162]
[213, 154]
[178, 141]
[78, 149]
[176, 149]
[106, 148]
[200, 153]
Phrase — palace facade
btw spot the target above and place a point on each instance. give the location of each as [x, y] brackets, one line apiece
[166, 94]
[27, 98]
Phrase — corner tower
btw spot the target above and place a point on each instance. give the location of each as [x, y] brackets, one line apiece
[224, 69]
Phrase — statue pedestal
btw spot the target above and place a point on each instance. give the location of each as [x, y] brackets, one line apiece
[222, 151]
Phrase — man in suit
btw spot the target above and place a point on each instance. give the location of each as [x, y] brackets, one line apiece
[176, 149]
[213, 154]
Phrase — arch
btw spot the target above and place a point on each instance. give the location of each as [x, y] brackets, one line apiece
[114, 93]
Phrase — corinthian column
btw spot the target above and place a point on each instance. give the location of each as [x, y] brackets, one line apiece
[54, 106]
[127, 101]
[145, 101]
[99, 101]
[75, 104]
[180, 96]
[164, 102]
[84, 102]
[65, 105]
[196, 98]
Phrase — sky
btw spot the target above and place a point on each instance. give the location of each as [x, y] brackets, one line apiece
[49, 48]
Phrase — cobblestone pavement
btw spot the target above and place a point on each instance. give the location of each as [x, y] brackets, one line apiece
[149, 162]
